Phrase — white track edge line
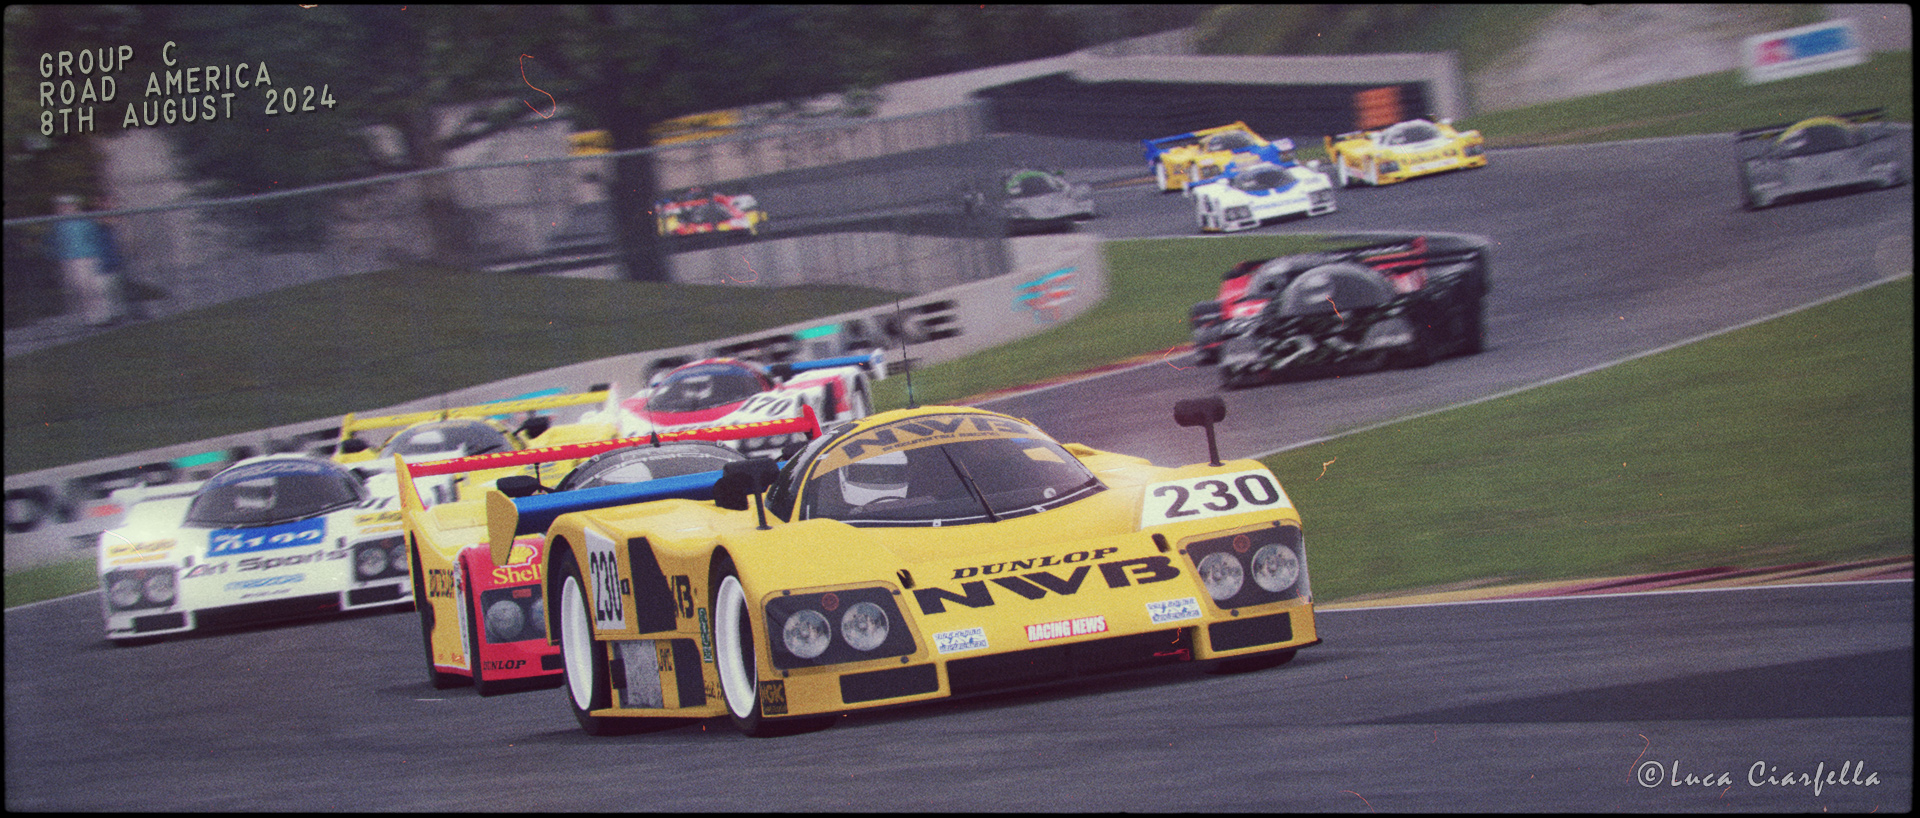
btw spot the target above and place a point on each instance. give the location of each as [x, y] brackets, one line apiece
[1564, 597]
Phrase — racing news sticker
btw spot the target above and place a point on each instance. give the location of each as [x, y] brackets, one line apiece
[1197, 498]
[963, 639]
[1173, 610]
[1066, 627]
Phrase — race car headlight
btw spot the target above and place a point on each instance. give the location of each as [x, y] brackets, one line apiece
[124, 591]
[1222, 575]
[1275, 556]
[806, 634]
[160, 588]
[505, 620]
[1389, 167]
[370, 562]
[864, 626]
[1474, 150]
[381, 558]
[869, 619]
[1275, 568]
[141, 588]
[1240, 212]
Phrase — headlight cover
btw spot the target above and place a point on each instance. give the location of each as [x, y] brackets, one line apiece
[869, 627]
[1274, 557]
[139, 588]
[514, 614]
[381, 558]
[1239, 212]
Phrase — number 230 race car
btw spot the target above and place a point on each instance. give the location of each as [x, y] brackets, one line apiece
[912, 555]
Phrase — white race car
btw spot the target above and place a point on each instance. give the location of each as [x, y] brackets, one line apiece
[1243, 198]
[271, 537]
[729, 391]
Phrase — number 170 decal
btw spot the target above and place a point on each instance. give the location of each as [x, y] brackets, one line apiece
[1197, 498]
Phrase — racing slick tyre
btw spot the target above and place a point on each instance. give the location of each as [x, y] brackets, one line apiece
[859, 405]
[584, 661]
[1160, 176]
[1248, 664]
[1340, 169]
[439, 681]
[479, 620]
[736, 659]
[1206, 357]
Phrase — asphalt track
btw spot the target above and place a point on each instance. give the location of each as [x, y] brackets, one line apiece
[1555, 704]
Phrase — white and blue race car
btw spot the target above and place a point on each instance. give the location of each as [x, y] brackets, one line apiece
[268, 538]
[1242, 198]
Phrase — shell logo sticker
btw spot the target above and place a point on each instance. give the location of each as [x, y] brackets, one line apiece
[523, 562]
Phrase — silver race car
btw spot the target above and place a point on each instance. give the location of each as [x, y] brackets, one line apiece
[1821, 153]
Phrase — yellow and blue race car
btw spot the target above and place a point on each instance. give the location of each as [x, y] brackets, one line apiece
[471, 430]
[1187, 159]
[1400, 152]
[483, 621]
[907, 556]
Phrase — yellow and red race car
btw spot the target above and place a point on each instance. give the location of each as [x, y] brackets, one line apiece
[470, 430]
[1187, 159]
[483, 621]
[1400, 152]
[912, 555]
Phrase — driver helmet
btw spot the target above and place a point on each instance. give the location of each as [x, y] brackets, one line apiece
[875, 478]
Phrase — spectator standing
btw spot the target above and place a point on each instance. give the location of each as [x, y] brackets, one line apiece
[81, 244]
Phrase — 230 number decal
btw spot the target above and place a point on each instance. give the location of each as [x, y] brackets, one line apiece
[1197, 498]
[609, 609]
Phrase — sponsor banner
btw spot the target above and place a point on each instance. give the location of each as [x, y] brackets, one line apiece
[123, 553]
[1173, 610]
[1799, 51]
[227, 542]
[963, 639]
[1066, 627]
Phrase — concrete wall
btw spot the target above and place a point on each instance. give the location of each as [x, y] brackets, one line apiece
[57, 514]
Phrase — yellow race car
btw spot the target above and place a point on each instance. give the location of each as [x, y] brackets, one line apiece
[1179, 162]
[1400, 152]
[466, 431]
[907, 556]
[483, 621]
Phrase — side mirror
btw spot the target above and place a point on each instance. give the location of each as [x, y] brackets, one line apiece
[741, 478]
[352, 445]
[1205, 412]
[782, 371]
[519, 485]
[536, 426]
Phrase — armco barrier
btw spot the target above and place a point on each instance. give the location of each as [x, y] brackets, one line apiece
[57, 514]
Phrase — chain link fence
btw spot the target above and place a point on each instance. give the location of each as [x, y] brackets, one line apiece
[861, 202]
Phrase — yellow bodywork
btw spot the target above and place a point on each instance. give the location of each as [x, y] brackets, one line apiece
[1192, 161]
[1092, 569]
[1360, 156]
[558, 434]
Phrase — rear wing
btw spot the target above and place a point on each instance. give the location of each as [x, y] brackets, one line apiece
[508, 517]
[1155, 147]
[875, 362]
[351, 424]
[1859, 117]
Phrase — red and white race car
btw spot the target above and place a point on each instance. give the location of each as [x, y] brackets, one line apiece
[728, 391]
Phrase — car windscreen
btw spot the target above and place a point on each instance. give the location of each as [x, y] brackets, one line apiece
[643, 462]
[1230, 141]
[704, 387]
[1263, 177]
[928, 475]
[1814, 139]
[454, 437]
[1411, 134]
[278, 491]
[1022, 185]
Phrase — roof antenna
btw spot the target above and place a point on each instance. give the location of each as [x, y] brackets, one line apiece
[906, 360]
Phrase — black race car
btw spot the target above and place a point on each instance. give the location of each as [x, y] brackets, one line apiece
[1410, 300]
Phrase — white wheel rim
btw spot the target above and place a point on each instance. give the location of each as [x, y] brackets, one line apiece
[1160, 174]
[575, 643]
[861, 407]
[738, 674]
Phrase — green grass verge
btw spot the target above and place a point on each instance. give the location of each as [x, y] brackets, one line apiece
[356, 343]
[1784, 442]
[50, 581]
[1691, 458]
